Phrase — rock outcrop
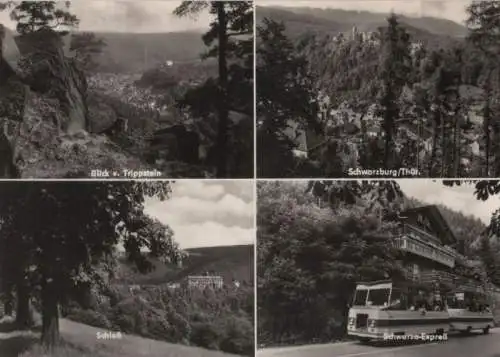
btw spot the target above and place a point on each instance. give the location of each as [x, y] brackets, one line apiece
[47, 70]
[46, 118]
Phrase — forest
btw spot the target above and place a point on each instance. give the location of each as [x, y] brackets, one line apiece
[315, 240]
[343, 90]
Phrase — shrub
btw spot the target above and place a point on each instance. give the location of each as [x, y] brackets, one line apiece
[217, 320]
[238, 336]
[89, 317]
[158, 327]
[205, 334]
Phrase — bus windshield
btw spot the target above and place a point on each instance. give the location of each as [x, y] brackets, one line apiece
[360, 297]
[378, 297]
[371, 297]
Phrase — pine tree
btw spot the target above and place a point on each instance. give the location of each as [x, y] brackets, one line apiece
[285, 100]
[395, 74]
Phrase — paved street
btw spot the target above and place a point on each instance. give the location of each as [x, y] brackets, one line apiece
[456, 346]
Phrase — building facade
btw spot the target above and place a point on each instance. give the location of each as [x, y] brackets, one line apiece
[432, 254]
[205, 281]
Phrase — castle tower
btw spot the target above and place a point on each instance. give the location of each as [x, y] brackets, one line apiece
[354, 32]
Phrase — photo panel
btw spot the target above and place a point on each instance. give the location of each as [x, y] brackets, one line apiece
[378, 268]
[150, 90]
[127, 268]
[377, 89]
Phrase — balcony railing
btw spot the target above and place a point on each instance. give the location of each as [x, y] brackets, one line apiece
[412, 243]
[411, 230]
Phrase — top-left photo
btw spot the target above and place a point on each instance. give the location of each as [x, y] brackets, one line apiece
[126, 89]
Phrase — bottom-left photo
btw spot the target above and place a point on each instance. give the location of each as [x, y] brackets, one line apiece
[127, 268]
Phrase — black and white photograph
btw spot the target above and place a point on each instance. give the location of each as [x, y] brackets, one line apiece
[377, 89]
[404, 268]
[127, 268]
[126, 89]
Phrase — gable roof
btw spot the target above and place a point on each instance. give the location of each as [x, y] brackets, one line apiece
[437, 221]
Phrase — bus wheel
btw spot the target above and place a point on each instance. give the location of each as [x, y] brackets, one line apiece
[486, 330]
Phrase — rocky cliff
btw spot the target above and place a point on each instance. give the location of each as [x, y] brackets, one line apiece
[44, 113]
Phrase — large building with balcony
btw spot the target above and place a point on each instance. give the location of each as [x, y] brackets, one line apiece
[432, 253]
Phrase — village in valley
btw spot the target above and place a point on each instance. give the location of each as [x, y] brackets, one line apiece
[144, 89]
[376, 90]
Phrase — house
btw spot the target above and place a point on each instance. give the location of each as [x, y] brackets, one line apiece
[433, 254]
[204, 281]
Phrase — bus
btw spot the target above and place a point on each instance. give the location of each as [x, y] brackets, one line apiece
[468, 311]
[383, 310]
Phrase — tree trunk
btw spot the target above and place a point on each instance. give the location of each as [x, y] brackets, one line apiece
[50, 316]
[24, 319]
[486, 123]
[435, 137]
[444, 140]
[222, 135]
[456, 148]
[486, 120]
[388, 139]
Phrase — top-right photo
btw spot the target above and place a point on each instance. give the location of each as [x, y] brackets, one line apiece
[373, 89]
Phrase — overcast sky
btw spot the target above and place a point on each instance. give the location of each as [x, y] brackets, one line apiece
[208, 213]
[130, 16]
[453, 9]
[459, 198]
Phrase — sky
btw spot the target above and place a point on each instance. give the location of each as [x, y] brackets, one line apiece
[452, 9]
[459, 198]
[208, 213]
[130, 16]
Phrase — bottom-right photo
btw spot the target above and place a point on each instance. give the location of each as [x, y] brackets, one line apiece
[388, 268]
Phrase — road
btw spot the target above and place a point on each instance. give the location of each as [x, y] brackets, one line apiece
[456, 346]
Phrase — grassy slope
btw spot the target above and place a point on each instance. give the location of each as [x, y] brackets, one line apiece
[80, 341]
[229, 261]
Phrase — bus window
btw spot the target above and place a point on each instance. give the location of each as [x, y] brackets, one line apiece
[456, 301]
[420, 301]
[378, 297]
[399, 300]
[360, 297]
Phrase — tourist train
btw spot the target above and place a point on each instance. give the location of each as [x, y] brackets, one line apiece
[440, 291]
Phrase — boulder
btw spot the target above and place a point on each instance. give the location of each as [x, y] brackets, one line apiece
[44, 152]
[46, 69]
[13, 96]
[102, 115]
